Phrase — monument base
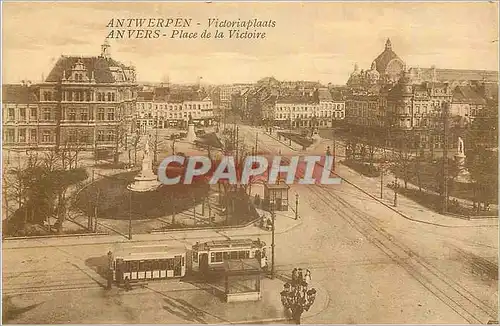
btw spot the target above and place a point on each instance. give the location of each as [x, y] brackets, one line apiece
[144, 182]
[191, 135]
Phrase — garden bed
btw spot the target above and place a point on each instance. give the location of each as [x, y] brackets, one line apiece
[363, 168]
[434, 202]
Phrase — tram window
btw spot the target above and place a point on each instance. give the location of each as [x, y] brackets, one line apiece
[170, 263]
[234, 255]
[147, 265]
[225, 255]
[141, 266]
[155, 265]
[134, 266]
[195, 257]
[218, 257]
[182, 261]
[163, 264]
[243, 254]
[212, 257]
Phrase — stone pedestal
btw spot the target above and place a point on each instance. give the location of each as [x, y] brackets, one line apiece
[146, 180]
[463, 174]
[191, 135]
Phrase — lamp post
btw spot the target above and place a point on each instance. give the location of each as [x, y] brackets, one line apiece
[297, 299]
[395, 184]
[296, 206]
[273, 216]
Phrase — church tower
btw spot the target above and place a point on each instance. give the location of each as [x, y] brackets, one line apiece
[388, 44]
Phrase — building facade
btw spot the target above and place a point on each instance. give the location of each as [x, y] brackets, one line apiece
[85, 101]
[168, 108]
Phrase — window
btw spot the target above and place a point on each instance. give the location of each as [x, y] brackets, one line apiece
[109, 97]
[100, 135]
[195, 257]
[33, 114]
[84, 137]
[111, 114]
[113, 97]
[155, 265]
[46, 136]
[170, 263]
[84, 114]
[100, 115]
[72, 115]
[72, 136]
[12, 114]
[9, 135]
[46, 114]
[110, 135]
[134, 266]
[22, 114]
[22, 135]
[33, 135]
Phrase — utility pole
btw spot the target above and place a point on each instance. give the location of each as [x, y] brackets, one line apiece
[273, 216]
[130, 216]
[256, 139]
[381, 181]
[156, 142]
[445, 157]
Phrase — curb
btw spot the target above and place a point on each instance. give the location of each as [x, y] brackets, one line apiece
[403, 214]
[55, 236]
[207, 228]
[260, 321]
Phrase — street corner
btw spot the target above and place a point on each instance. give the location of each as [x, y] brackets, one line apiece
[320, 303]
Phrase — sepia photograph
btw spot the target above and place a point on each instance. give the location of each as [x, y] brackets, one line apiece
[224, 162]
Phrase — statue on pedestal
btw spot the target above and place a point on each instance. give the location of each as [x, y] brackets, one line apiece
[463, 174]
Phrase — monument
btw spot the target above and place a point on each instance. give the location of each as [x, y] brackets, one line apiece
[191, 135]
[463, 175]
[146, 180]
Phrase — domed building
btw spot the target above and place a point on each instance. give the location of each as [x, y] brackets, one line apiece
[389, 65]
[373, 75]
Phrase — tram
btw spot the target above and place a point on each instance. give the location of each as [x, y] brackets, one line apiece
[141, 263]
[212, 255]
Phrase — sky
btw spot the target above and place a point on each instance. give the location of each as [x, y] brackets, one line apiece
[311, 41]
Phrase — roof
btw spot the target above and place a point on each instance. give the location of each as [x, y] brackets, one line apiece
[229, 244]
[100, 66]
[384, 58]
[427, 74]
[145, 96]
[148, 252]
[466, 94]
[18, 93]
[296, 100]
[242, 266]
[324, 95]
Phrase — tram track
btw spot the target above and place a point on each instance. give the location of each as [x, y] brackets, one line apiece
[455, 296]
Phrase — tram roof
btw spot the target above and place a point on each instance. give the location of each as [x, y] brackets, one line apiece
[235, 243]
[148, 252]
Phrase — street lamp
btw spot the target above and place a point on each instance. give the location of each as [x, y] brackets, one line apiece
[296, 206]
[395, 185]
[297, 299]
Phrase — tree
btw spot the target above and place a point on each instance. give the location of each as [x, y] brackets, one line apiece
[402, 160]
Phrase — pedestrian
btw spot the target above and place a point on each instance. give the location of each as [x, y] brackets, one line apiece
[127, 283]
[300, 276]
[294, 277]
[263, 263]
[307, 278]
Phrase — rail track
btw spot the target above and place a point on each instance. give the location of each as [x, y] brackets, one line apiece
[454, 295]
